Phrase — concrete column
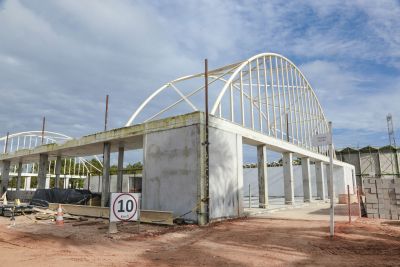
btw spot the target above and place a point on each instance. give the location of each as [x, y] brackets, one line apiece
[305, 170]
[42, 172]
[58, 172]
[288, 177]
[5, 176]
[320, 179]
[105, 190]
[120, 168]
[47, 184]
[19, 177]
[66, 182]
[262, 176]
[27, 184]
[239, 153]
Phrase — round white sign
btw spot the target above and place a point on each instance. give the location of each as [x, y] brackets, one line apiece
[124, 207]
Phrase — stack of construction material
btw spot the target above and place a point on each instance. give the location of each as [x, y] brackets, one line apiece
[382, 198]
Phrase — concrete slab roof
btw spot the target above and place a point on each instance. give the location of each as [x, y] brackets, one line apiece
[131, 137]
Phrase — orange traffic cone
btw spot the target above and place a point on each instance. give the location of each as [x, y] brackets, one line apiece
[59, 218]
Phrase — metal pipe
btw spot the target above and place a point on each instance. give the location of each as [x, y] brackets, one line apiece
[106, 114]
[43, 125]
[6, 145]
[207, 163]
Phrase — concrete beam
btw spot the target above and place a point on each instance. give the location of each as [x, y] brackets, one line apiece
[288, 177]
[120, 173]
[58, 172]
[320, 179]
[105, 190]
[5, 176]
[42, 172]
[262, 176]
[305, 170]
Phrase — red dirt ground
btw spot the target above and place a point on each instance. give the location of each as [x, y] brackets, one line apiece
[242, 242]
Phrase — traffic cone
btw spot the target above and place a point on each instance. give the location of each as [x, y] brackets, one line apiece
[59, 218]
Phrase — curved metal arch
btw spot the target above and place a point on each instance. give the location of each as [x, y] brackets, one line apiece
[244, 63]
[281, 89]
[34, 139]
[181, 79]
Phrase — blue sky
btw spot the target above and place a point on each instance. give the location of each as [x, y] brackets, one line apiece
[60, 58]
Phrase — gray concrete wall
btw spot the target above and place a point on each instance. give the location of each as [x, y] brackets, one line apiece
[342, 177]
[172, 170]
[275, 181]
[224, 174]
[95, 183]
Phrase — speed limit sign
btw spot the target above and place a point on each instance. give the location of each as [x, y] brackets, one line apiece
[124, 207]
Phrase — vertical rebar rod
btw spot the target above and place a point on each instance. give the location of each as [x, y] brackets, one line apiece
[207, 163]
[106, 115]
[43, 125]
[6, 145]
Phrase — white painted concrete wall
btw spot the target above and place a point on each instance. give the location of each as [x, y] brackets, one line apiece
[342, 177]
[275, 181]
[95, 183]
[172, 170]
[224, 174]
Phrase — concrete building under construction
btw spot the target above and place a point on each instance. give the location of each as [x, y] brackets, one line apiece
[193, 160]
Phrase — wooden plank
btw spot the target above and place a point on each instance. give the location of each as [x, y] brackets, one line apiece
[146, 216]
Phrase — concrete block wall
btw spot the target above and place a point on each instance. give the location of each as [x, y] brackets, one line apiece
[382, 198]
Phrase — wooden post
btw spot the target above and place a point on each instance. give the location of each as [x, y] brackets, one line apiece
[348, 202]
[359, 202]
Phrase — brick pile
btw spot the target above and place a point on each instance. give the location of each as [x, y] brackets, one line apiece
[382, 198]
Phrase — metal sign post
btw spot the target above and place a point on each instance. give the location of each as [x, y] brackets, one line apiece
[331, 190]
[124, 207]
[323, 140]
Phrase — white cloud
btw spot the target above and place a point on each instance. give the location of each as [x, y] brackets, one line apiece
[60, 58]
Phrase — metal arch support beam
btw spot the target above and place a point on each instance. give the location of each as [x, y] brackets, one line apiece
[183, 97]
[134, 115]
[241, 67]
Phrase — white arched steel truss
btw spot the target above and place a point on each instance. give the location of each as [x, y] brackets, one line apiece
[72, 167]
[266, 93]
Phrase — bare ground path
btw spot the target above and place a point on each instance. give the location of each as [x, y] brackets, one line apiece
[244, 242]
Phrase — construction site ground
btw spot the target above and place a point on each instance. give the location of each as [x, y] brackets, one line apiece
[297, 237]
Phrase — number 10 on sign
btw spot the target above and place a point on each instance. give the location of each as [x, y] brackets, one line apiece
[124, 207]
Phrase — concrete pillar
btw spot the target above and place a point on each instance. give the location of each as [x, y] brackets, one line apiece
[320, 179]
[239, 153]
[19, 177]
[305, 170]
[288, 177]
[120, 168]
[27, 183]
[58, 172]
[47, 184]
[5, 176]
[105, 190]
[66, 182]
[42, 172]
[262, 176]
